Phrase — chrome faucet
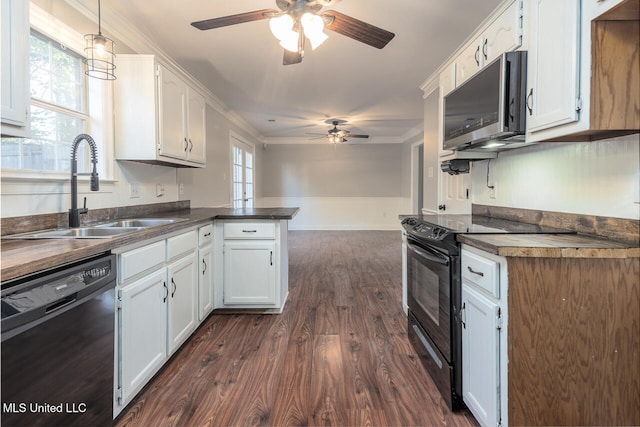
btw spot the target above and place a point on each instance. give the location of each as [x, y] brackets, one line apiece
[74, 212]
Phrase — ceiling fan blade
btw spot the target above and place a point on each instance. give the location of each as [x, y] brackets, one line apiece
[358, 30]
[240, 18]
[358, 136]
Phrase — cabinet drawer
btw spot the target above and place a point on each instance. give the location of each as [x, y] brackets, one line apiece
[141, 259]
[181, 244]
[205, 235]
[249, 230]
[482, 272]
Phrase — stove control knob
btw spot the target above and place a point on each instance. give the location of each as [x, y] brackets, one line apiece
[438, 232]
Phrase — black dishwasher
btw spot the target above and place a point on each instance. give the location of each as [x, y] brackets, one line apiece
[57, 346]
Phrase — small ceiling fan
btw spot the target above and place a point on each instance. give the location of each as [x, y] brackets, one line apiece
[336, 135]
[298, 20]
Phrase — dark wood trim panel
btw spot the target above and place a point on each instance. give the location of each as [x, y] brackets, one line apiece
[620, 229]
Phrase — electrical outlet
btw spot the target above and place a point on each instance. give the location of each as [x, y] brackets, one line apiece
[181, 188]
[134, 190]
[493, 190]
[159, 190]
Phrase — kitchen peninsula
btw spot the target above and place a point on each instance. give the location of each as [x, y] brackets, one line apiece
[22, 257]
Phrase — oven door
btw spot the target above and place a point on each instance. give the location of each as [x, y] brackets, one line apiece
[429, 293]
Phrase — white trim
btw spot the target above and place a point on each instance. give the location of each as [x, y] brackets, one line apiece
[56, 29]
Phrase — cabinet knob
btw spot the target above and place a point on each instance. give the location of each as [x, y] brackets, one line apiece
[529, 102]
[186, 144]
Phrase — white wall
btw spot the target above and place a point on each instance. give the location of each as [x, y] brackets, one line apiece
[592, 178]
[338, 187]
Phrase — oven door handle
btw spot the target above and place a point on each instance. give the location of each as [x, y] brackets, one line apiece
[429, 255]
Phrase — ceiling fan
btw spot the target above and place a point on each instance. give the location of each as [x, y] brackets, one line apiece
[298, 20]
[336, 135]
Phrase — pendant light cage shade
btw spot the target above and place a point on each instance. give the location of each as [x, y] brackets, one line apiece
[100, 58]
[99, 54]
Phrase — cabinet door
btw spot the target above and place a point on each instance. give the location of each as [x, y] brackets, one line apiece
[183, 294]
[469, 62]
[15, 67]
[553, 59]
[196, 127]
[142, 331]
[503, 35]
[250, 273]
[205, 281]
[480, 356]
[172, 97]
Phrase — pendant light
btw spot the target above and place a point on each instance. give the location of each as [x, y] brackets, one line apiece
[99, 54]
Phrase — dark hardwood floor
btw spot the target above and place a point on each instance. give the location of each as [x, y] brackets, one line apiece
[337, 356]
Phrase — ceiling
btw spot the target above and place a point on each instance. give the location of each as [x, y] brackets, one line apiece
[376, 91]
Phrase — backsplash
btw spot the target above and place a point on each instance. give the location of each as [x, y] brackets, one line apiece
[23, 224]
[592, 178]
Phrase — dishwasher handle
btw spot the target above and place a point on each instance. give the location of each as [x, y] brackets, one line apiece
[61, 303]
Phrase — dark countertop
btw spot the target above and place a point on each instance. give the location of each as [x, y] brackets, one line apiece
[22, 257]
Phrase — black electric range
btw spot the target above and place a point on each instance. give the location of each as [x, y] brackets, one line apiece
[434, 290]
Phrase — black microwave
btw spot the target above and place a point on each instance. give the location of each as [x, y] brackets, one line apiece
[488, 111]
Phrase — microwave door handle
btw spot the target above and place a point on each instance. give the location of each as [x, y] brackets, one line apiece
[431, 257]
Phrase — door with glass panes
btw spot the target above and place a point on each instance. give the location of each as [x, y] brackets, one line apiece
[242, 168]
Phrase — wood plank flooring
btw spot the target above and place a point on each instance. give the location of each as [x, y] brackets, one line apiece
[337, 356]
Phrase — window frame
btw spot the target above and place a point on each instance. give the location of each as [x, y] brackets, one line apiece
[98, 99]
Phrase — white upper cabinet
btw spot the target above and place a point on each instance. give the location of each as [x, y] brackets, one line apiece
[583, 70]
[503, 34]
[196, 113]
[159, 117]
[15, 67]
[172, 94]
[553, 80]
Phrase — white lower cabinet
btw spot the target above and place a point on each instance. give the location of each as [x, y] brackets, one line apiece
[483, 341]
[250, 272]
[251, 265]
[480, 356]
[157, 308]
[205, 271]
[183, 295]
[142, 331]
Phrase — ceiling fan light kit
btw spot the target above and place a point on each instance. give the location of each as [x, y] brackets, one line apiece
[298, 19]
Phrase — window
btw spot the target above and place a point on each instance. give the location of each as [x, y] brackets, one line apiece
[242, 173]
[64, 103]
[58, 109]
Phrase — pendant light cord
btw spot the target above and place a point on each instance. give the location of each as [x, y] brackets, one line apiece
[99, 27]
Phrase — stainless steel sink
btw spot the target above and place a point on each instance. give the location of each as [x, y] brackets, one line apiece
[144, 223]
[77, 233]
